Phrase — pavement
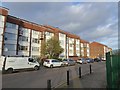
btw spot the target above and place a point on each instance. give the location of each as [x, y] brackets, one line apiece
[97, 79]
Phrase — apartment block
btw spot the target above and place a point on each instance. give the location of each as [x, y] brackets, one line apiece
[85, 48]
[73, 46]
[98, 50]
[3, 15]
[22, 37]
[61, 36]
[69, 42]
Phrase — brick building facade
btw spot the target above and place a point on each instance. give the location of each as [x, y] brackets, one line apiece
[98, 50]
[22, 37]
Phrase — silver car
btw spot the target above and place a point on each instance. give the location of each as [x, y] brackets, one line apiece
[68, 62]
[52, 63]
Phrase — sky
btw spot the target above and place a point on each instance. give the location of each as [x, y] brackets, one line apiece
[92, 21]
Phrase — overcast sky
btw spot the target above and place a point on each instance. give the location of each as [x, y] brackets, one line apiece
[92, 21]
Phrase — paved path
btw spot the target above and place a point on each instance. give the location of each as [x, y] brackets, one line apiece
[95, 80]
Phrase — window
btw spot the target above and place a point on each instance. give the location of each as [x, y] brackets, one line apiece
[87, 45]
[48, 33]
[35, 40]
[24, 30]
[65, 60]
[61, 35]
[53, 60]
[10, 36]
[71, 45]
[35, 48]
[67, 41]
[77, 51]
[23, 38]
[70, 51]
[71, 60]
[47, 61]
[77, 45]
[30, 59]
[23, 48]
[11, 25]
[35, 32]
[81, 44]
[10, 47]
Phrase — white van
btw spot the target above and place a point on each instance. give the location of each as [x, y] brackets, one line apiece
[11, 64]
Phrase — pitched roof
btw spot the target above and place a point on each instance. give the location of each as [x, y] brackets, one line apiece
[83, 41]
[98, 43]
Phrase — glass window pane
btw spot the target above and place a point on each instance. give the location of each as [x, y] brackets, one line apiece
[23, 38]
[10, 47]
[9, 36]
[35, 48]
[23, 48]
[35, 40]
[11, 25]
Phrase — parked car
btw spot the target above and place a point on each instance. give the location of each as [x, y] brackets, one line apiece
[82, 61]
[52, 63]
[15, 63]
[103, 59]
[89, 60]
[68, 62]
[79, 61]
[97, 59]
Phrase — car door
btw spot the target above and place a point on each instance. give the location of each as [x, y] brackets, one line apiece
[71, 62]
[58, 63]
[65, 62]
[54, 63]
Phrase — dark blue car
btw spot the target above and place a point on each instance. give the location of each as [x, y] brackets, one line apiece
[89, 60]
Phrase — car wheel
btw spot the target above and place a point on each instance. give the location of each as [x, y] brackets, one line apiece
[10, 70]
[36, 68]
[51, 66]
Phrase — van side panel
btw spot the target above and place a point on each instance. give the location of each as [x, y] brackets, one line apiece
[16, 62]
[19, 63]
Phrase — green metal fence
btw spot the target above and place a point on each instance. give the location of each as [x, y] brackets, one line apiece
[113, 69]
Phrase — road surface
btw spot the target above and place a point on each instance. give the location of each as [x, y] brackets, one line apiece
[38, 79]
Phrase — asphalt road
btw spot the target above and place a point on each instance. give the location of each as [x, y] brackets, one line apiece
[38, 79]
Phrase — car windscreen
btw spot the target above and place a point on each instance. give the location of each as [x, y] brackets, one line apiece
[71, 60]
[46, 61]
[65, 60]
[55, 61]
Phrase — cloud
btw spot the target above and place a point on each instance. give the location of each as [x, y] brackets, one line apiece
[91, 21]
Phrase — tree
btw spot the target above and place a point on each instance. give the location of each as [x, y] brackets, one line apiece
[52, 48]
